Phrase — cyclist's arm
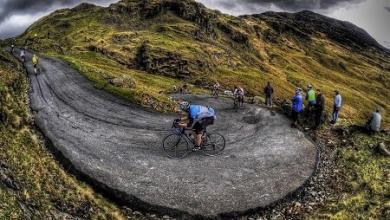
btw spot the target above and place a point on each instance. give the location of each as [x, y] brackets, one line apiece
[184, 120]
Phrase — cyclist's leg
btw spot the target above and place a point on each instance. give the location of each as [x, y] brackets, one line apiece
[198, 131]
[205, 123]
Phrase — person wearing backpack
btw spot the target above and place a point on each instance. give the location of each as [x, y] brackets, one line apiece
[297, 106]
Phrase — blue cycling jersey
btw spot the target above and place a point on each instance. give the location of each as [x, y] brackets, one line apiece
[198, 112]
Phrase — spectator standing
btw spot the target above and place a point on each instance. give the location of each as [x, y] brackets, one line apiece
[374, 124]
[320, 107]
[297, 106]
[268, 91]
[311, 96]
[338, 101]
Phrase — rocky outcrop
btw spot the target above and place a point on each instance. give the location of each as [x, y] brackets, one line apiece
[234, 34]
[159, 61]
[122, 82]
[83, 6]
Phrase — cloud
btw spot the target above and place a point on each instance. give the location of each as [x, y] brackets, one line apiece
[12, 7]
[17, 15]
[286, 5]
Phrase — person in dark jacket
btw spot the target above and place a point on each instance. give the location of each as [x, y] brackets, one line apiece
[268, 91]
[297, 106]
[320, 107]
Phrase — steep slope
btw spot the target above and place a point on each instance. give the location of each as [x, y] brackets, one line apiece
[150, 46]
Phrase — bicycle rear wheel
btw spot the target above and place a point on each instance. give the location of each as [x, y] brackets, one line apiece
[214, 144]
[176, 146]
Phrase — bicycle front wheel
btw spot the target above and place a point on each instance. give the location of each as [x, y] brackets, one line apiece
[176, 146]
[214, 144]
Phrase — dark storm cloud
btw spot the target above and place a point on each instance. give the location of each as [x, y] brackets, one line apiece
[17, 15]
[12, 7]
[290, 5]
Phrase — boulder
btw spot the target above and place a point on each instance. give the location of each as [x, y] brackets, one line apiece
[258, 100]
[123, 82]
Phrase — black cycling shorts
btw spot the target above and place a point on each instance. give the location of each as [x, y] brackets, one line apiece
[201, 125]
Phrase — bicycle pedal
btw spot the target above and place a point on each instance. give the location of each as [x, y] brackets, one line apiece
[195, 149]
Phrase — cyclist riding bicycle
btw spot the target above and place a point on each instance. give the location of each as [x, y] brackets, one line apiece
[35, 61]
[198, 118]
[22, 55]
[216, 87]
[239, 95]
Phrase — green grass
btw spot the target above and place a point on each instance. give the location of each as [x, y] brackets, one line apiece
[150, 90]
[366, 178]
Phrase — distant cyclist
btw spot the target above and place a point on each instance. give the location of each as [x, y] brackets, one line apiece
[239, 95]
[197, 117]
[23, 55]
[216, 88]
[12, 48]
[35, 61]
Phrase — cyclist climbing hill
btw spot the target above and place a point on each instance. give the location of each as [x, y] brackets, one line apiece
[216, 87]
[239, 95]
[23, 55]
[198, 117]
[35, 61]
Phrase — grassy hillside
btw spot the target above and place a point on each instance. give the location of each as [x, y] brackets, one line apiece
[162, 43]
[359, 187]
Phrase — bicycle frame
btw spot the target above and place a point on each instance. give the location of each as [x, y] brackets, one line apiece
[183, 135]
[183, 132]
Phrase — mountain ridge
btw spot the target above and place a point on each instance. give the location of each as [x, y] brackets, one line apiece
[347, 29]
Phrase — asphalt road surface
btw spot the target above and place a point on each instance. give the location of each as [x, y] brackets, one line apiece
[117, 145]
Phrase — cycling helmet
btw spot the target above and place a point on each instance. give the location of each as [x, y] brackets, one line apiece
[184, 105]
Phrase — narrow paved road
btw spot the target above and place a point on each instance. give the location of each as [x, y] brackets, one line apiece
[118, 145]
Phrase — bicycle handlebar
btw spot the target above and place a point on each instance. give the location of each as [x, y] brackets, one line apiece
[176, 126]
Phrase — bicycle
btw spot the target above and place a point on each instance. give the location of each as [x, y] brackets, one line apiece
[37, 69]
[215, 92]
[215, 89]
[177, 144]
[238, 102]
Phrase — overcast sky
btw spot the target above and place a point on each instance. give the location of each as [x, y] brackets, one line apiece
[371, 15]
